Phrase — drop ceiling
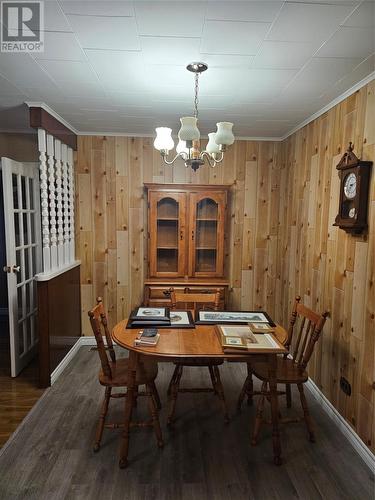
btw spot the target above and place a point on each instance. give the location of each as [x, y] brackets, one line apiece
[119, 67]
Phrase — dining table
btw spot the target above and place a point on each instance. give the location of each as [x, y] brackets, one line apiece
[199, 342]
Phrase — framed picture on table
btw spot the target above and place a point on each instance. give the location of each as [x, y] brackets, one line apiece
[232, 317]
[180, 319]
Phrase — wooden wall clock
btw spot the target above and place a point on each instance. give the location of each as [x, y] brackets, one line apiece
[354, 188]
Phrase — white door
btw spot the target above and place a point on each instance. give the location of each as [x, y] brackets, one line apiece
[23, 253]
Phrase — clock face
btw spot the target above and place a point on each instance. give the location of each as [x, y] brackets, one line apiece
[350, 186]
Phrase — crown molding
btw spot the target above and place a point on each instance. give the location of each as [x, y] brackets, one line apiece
[330, 105]
[43, 105]
[121, 134]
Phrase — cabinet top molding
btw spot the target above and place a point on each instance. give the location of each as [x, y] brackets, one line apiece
[187, 187]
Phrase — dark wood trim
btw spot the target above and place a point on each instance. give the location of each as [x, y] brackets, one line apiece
[59, 320]
[186, 187]
[43, 326]
[40, 118]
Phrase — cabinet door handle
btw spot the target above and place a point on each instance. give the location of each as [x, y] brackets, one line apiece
[192, 235]
[181, 235]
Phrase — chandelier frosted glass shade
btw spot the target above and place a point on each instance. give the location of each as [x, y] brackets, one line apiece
[188, 147]
[212, 146]
[163, 140]
[224, 135]
[189, 130]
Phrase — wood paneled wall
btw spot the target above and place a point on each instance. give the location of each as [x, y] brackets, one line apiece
[111, 220]
[329, 268]
[281, 239]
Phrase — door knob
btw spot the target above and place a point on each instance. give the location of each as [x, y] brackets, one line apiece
[9, 269]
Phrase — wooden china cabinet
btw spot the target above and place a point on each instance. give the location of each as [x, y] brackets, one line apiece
[186, 229]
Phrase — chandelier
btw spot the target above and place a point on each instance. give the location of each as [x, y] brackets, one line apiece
[188, 147]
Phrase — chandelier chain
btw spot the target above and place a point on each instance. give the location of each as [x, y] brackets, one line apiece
[196, 95]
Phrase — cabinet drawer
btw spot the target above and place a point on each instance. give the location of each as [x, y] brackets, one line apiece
[158, 295]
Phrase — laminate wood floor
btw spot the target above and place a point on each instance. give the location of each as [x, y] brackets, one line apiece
[17, 395]
[50, 457]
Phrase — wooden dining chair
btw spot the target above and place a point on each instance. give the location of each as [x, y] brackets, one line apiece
[114, 374]
[195, 301]
[248, 387]
[291, 368]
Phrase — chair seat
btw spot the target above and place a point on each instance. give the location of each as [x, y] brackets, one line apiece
[287, 372]
[199, 362]
[120, 373]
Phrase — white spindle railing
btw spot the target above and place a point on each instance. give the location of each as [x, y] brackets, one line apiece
[65, 201]
[57, 203]
[71, 204]
[44, 199]
[52, 202]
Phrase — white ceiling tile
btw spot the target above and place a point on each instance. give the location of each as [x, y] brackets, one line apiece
[96, 8]
[283, 54]
[129, 99]
[6, 88]
[307, 22]
[243, 11]
[15, 67]
[117, 33]
[227, 61]
[84, 89]
[352, 3]
[10, 101]
[61, 46]
[69, 71]
[359, 72]
[361, 43]
[54, 17]
[363, 16]
[170, 18]
[121, 71]
[170, 50]
[318, 75]
[240, 37]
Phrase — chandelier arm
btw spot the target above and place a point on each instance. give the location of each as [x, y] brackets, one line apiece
[170, 162]
[211, 161]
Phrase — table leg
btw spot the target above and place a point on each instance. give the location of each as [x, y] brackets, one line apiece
[272, 366]
[129, 403]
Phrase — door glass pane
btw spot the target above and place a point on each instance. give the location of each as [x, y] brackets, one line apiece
[18, 263]
[206, 236]
[35, 269]
[167, 209]
[19, 302]
[21, 344]
[32, 238]
[167, 235]
[25, 232]
[28, 290]
[15, 191]
[27, 266]
[23, 191]
[167, 260]
[31, 193]
[17, 228]
[28, 332]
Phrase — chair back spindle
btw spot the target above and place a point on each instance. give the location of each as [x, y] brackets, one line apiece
[182, 299]
[310, 328]
[98, 320]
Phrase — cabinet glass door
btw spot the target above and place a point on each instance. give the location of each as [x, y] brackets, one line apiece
[207, 233]
[167, 234]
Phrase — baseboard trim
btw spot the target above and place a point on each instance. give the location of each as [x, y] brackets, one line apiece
[65, 361]
[364, 452]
